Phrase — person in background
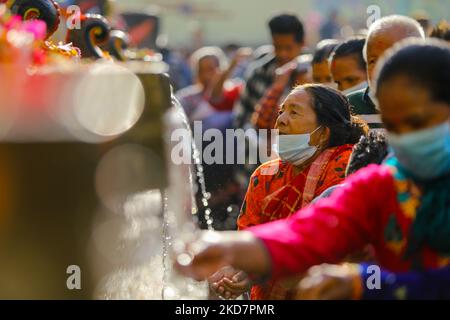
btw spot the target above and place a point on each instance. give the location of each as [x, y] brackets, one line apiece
[424, 19]
[180, 72]
[348, 67]
[317, 134]
[258, 55]
[233, 49]
[441, 31]
[214, 90]
[321, 72]
[409, 229]
[226, 88]
[263, 51]
[230, 49]
[288, 41]
[287, 77]
[211, 101]
[382, 35]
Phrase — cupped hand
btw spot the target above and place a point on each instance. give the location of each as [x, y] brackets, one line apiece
[229, 283]
[329, 282]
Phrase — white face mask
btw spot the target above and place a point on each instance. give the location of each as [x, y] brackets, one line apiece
[295, 148]
[360, 86]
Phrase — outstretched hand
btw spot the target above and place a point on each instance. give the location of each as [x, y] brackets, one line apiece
[203, 257]
[241, 55]
[214, 250]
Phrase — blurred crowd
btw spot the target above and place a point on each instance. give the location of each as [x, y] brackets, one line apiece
[362, 170]
[361, 176]
[238, 87]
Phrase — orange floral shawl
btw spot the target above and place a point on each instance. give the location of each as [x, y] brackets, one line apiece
[275, 193]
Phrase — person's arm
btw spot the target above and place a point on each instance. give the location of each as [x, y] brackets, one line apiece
[216, 93]
[266, 111]
[251, 92]
[329, 230]
[322, 233]
[215, 250]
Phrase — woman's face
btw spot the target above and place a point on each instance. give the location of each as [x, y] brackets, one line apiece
[407, 107]
[208, 69]
[297, 116]
[347, 72]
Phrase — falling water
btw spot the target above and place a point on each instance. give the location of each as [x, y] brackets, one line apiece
[201, 180]
[179, 218]
[151, 275]
[199, 172]
[165, 245]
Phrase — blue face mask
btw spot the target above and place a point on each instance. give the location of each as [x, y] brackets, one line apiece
[295, 148]
[426, 153]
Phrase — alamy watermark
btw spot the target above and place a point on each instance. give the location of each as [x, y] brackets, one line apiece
[374, 13]
[73, 14]
[234, 146]
[73, 281]
[373, 281]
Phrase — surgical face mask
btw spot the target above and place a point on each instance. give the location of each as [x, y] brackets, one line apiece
[360, 86]
[426, 153]
[295, 148]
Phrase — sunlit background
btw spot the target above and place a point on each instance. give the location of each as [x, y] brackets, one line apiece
[85, 175]
[205, 22]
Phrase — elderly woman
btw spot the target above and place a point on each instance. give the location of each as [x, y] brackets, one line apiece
[402, 207]
[317, 134]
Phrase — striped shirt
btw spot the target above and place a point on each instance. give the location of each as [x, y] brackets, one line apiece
[260, 78]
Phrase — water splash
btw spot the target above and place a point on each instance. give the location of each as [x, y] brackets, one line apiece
[180, 220]
[206, 196]
[166, 245]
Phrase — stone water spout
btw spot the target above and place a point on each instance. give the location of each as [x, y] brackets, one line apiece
[92, 189]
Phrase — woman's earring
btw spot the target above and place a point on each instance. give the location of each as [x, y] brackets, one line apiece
[319, 147]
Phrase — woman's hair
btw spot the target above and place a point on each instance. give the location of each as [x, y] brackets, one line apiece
[332, 110]
[424, 62]
[371, 149]
[352, 47]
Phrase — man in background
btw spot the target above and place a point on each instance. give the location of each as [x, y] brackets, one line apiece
[288, 40]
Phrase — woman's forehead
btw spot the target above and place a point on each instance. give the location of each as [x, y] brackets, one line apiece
[298, 97]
